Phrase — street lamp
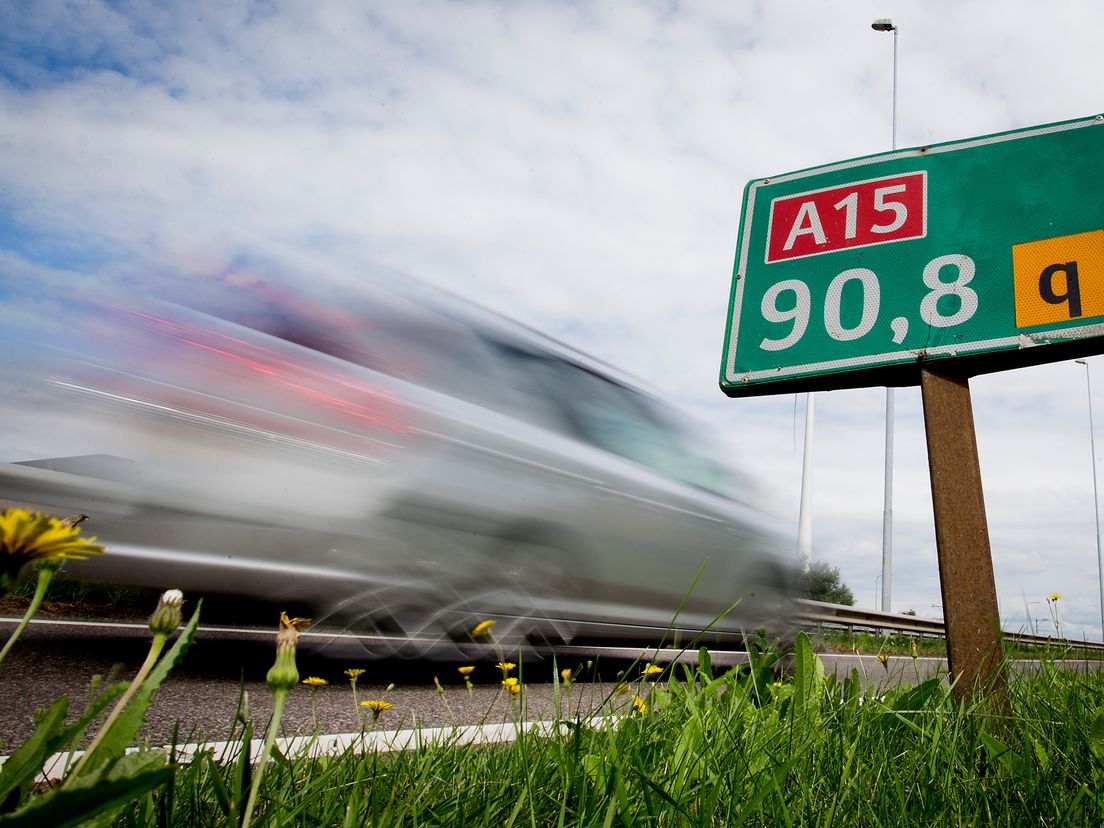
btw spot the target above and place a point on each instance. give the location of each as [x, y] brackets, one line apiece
[1096, 495]
[1032, 624]
[886, 25]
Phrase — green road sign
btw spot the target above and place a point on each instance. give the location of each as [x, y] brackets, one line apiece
[859, 272]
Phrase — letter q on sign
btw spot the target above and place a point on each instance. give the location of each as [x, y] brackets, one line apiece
[1059, 279]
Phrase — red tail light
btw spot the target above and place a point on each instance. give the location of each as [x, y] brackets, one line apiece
[204, 366]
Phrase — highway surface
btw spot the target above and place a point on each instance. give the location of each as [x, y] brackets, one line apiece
[202, 694]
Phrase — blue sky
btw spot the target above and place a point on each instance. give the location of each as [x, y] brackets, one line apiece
[578, 166]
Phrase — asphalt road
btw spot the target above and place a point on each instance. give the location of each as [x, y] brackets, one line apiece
[203, 693]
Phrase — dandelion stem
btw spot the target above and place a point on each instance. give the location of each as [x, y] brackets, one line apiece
[279, 696]
[156, 646]
[45, 575]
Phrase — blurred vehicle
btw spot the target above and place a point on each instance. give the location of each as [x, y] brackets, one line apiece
[402, 461]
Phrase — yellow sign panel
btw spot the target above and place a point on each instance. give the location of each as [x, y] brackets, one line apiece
[1059, 279]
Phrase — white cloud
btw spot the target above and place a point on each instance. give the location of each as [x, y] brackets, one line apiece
[578, 166]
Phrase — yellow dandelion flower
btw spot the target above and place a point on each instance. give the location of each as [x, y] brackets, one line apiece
[467, 670]
[510, 682]
[354, 672]
[482, 628]
[777, 685]
[377, 705]
[515, 689]
[1054, 596]
[28, 536]
[315, 681]
[505, 666]
[639, 705]
[565, 674]
[653, 670]
[882, 658]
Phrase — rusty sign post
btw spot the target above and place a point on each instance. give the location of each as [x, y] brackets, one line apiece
[971, 617]
[927, 266]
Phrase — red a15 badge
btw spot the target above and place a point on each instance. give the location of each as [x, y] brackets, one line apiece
[859, 214]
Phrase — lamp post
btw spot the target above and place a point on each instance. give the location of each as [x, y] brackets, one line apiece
[1096, 495]
[886, 25]
[1032, 624]
[805, 518]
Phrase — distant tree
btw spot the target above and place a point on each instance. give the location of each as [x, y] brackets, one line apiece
[822, 583]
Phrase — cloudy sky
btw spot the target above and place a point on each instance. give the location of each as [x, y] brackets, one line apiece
[578, 166]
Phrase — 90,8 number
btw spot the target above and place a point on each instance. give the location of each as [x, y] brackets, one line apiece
[801, 310]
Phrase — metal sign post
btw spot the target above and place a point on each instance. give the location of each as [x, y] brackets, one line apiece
[970, 614]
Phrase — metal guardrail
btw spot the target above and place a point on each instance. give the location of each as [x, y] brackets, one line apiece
[838, 616]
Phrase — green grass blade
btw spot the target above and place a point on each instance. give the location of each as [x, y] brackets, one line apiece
[124, 730]
[22, 766]
[79, 805]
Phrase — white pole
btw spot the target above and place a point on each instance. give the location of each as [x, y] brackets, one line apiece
[805, 518]
[887, 510]
[1096, 496]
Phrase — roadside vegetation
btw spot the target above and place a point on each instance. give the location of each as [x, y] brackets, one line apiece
[670, 746]
[822, 582]
[82, 598]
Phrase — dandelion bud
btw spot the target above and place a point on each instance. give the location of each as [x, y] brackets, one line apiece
[243, 708]
[166, 617]
[284, 675]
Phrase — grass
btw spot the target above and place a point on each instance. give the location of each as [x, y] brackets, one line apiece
[729, 749]
[687, 747]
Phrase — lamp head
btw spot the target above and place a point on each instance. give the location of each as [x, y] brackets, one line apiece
[883, 24]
